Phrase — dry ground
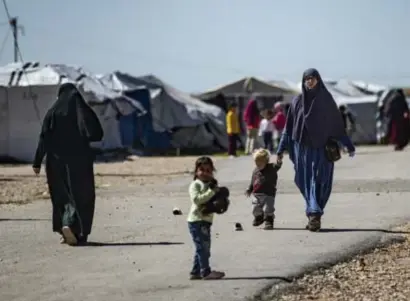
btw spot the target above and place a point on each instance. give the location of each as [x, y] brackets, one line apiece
[382, 275]
[18, 184]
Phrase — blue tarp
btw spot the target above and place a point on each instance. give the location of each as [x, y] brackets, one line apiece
[137, 130]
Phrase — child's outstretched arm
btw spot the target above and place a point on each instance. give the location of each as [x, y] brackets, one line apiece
[277, 166]
[198, 197]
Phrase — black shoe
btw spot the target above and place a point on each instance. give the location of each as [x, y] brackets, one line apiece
[314, 223]
[258, 220]
[268, 223]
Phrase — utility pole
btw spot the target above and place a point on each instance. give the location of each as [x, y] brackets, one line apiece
[14, 28]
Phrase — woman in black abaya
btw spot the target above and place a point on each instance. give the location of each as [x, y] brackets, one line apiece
[397, 113]
[68, 128]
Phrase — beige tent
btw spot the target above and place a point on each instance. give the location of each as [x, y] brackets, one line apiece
[244, 87]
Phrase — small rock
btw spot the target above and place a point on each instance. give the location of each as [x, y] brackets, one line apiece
[238, 227]
[377, 194]
[176, 211]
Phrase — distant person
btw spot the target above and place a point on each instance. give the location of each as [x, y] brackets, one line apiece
[233, 129]
[348, 120]
[279, 121]
[314, 127]
[266, 130]
[263, 187]
[398, 120]
[252, 120]
[68, 128]
[201, 190]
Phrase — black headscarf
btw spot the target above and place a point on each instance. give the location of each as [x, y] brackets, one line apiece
[315, 114]
[70, 124]
[397, 105]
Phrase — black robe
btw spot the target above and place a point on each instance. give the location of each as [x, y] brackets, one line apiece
[68, 128]
[398, 122]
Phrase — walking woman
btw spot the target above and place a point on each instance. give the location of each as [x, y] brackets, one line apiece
[68, 128]
[398, 122]
[313, 123]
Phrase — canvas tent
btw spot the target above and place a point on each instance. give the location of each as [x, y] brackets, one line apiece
[240, 91]
[192, 123]
[29, 90]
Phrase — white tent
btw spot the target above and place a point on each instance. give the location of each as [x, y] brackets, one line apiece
[28, 91]
[364, 109]
[194, 123]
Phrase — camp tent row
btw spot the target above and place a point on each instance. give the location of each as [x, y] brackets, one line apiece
[127, 115]
[360, 97]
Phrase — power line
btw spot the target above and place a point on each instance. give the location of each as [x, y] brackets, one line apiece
[17, 54]
[3, 44]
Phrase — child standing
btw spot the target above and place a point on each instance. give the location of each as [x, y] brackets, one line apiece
[279, 121]
[232, 128]
[202, 189]
[266, 129]
[263, 187]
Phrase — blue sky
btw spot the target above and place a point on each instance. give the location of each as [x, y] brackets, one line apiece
[198, 44]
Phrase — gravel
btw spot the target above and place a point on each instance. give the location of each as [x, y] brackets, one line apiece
[382, 275]
[20, 186]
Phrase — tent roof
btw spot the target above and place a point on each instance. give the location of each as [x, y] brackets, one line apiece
[95, 92]
[123, 81]
[286, 85]
[246, 85]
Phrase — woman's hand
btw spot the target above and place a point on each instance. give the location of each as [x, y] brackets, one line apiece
[36, 170]
[279, 158]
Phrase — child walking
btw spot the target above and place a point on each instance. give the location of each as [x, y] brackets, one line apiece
[263, 187]
[266, 129]
[202, 189]
[232, 128]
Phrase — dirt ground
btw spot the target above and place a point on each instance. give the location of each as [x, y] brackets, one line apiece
[382, 275]
[20, 186]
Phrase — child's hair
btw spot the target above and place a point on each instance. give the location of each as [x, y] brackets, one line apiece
[269, 114]
[232, 104]
[261, 154]
[203, 161]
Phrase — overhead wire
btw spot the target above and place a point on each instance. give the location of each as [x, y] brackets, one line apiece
[30, 92]
[3, 44]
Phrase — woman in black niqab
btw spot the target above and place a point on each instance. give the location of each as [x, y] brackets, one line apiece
[67, 130]
[398, 122]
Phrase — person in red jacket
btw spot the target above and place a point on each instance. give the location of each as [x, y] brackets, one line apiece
[279, 121]
[252, 120]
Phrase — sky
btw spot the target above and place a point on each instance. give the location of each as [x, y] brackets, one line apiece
[196, 45]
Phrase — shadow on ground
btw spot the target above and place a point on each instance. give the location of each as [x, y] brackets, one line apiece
[23, 219]
[336, 230]
[116, 244]
[259, 278]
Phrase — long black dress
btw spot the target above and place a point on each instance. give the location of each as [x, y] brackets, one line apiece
[397, 113]
[68, 128]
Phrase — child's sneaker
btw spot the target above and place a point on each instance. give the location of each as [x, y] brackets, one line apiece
[268, 223]
[258, 220]
[195, 277]
[214, 275]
